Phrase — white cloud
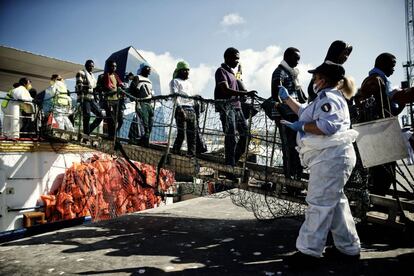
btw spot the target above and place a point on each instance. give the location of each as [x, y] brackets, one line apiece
[200, 77]
[164, 64]
[232, 19]
[257, 66]
[233, 25]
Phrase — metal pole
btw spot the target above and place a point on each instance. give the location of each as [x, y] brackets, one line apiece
[267, 143]
[80, 118]
[246, 151]
[273, 145]
[171, 123]
[205, 120]
[407, 67]
[164, 158]
[116, 118]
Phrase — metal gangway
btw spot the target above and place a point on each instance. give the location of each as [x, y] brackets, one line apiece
[259, 179]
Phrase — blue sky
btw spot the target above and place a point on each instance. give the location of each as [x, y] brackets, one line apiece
[166, 31]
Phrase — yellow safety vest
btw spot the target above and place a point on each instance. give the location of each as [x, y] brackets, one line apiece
[61, 96]
[9, 96]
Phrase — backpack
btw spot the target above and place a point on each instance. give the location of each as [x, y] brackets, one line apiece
[270, 109]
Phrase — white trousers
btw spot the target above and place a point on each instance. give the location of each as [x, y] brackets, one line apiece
[61, 116]
[328, 207]
[11, 127]
[407, 136]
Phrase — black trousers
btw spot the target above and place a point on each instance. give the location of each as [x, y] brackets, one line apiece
[381, 178]
[187, 126]
[89, 106]
[28, 126]
[114, 111]
[291, 161]
[233, 123]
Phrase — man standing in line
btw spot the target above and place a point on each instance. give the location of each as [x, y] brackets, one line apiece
[18, 104]
[338, 52]
[287, 75]
[377, 87]
[61, 102]
[227, 92]
[185, 116]
[85, 89]
[111, 86]
[141, 89]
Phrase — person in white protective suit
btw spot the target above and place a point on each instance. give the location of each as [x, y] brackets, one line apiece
[18, 102]
[325, 146]
[61, 102]
[408, 137]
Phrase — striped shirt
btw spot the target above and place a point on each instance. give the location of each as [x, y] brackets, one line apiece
[286, 79]
[283, 77]
[85, 84]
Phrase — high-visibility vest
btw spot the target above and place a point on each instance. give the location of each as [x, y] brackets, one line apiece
[61, 98]
[9, 96]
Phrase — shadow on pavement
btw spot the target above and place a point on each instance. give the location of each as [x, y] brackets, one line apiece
[148, 244]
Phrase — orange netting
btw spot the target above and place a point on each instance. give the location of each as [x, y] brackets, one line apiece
[104, 187]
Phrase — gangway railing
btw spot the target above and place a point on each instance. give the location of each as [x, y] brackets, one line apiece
[260, 170]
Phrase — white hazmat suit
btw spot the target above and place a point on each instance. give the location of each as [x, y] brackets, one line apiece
[330, 159]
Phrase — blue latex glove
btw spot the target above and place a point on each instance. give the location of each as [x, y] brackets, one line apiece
[283, 93]
[296, 126]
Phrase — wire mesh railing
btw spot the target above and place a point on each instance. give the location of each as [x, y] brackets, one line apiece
[146, 131]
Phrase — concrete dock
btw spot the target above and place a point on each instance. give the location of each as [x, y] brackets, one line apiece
[201, 236]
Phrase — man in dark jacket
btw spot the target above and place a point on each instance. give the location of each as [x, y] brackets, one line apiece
[374, 99]
[141, 89]
[287, 75]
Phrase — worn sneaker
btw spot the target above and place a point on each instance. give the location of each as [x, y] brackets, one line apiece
[301, 261]
[333, 254]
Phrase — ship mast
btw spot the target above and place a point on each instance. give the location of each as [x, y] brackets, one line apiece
[409, 24]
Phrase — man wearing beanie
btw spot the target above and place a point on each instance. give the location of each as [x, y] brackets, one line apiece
[185, 117]
[141, 89]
